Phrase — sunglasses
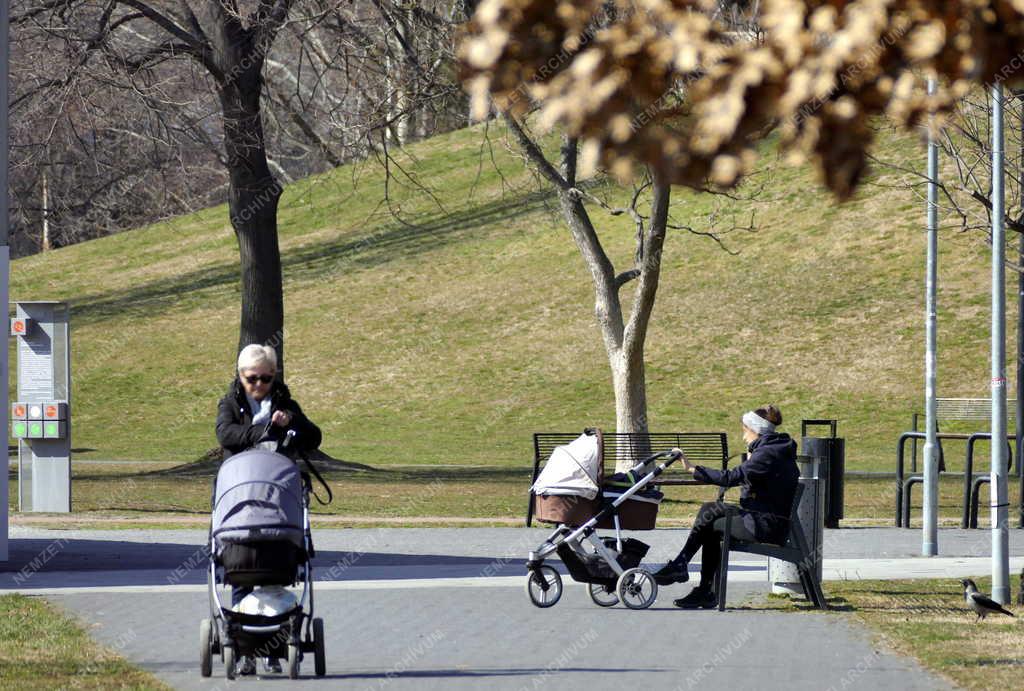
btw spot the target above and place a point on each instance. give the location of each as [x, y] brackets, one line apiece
[262, 378]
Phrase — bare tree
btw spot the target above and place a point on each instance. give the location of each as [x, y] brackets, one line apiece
[111, 159]
[343, 80]
[965, 155]
[624, 335]
[227, 42]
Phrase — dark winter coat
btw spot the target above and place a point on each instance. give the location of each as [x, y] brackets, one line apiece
[235, 430]
[769, 478]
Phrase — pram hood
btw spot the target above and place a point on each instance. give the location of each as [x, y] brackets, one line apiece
[258, 497]
[573, 469]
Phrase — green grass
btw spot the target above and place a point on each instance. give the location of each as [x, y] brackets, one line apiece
[448, 335]
[928, 620]
[44, 649]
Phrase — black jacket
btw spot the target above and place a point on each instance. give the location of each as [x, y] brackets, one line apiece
[235, 430]
[769, 478]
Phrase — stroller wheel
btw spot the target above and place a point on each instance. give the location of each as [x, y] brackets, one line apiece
[544, 586]
[229, 661]
[603, 595]
[319, 659]
[206, 647]
[637, 588]
[293, 661]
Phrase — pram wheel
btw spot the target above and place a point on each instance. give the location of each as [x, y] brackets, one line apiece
[603, 595]
[319, 659]
[229, 661]
[544, 586]
[293, 661]
[637, 588]
[206, 647]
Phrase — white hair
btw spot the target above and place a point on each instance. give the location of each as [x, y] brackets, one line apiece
[254, 355]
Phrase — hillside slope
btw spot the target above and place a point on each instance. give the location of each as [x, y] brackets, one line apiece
[446, 327]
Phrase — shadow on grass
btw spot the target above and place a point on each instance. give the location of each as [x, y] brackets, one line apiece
[393, 240]
[990, 662]
[784, 603]
[426, 475]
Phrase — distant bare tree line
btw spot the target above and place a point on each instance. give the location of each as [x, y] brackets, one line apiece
[110, 115]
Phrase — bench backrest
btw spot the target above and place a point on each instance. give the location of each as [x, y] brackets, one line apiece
[967, 408]
[702, 448]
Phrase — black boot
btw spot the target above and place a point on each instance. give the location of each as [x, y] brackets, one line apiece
[672, 572]
[699, 598]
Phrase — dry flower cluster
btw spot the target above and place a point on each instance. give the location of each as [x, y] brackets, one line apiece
[663, 83]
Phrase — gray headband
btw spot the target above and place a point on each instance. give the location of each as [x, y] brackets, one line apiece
[757, 423]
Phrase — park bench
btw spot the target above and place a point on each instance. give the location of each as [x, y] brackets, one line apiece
[948, 409]
[701, 448]
[795, 551]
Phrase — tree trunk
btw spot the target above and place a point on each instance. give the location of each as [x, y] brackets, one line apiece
[629, 383]
[46, 215]
[252, 203]
[624, 343]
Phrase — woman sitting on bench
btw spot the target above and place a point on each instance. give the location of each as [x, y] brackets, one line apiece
[769, 477]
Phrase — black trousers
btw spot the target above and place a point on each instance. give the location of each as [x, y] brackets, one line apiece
[706, 535]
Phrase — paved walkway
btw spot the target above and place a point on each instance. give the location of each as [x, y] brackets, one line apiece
[445, 608]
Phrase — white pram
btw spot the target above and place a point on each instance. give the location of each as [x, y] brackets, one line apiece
[571, 492]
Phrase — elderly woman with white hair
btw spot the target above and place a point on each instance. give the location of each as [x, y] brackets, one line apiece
[769, 477]
[259, 407]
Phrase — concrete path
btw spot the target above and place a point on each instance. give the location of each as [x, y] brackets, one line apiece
[445, 608]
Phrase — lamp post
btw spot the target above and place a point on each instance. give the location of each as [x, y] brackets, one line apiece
[999, 504]
[930, 522]
[5, 267]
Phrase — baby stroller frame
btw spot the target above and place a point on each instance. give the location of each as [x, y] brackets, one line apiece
[233, 634]
[612, 569]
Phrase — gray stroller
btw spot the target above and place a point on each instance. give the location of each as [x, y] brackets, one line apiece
[259, 536]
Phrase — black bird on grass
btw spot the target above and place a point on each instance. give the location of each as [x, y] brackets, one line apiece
[981, 605]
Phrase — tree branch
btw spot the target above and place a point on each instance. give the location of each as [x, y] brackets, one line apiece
[535, 155]
[650, 269]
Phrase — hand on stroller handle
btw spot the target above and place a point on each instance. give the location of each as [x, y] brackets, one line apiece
[672, 455]
[281, 444]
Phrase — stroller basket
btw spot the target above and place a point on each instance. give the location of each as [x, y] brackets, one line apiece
[261, 563]
[593, 569]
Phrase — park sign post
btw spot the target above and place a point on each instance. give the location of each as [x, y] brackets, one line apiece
[40, 417]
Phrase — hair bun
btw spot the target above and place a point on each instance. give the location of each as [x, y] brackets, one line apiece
[771, 414]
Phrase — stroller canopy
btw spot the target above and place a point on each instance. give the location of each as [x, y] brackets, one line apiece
[258, 497]
[573, 470]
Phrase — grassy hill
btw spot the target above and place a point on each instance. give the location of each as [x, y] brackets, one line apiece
[444, 328]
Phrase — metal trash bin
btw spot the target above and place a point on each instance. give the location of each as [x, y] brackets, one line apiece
[833, 469]
[783, 576]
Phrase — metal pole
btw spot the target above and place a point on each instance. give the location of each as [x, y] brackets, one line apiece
[999, 504]
[4, 270]
[930, 519]
[1019, 408]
